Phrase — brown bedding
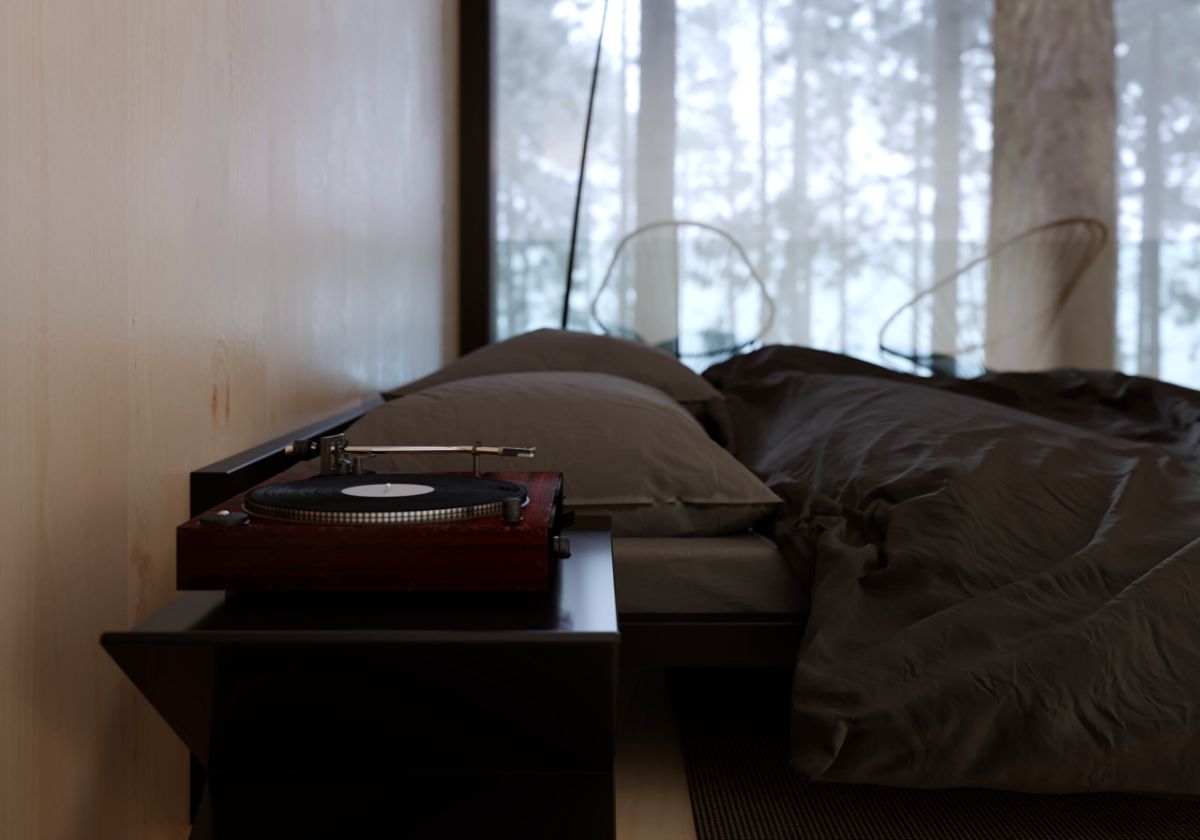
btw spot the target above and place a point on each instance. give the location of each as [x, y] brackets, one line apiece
[1005, 571]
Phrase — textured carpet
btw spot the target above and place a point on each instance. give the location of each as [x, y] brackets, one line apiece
[733, 727]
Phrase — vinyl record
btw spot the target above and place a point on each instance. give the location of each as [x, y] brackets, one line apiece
[383, 499]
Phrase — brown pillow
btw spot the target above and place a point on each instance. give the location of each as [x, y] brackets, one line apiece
[625, 449]
[563, 350]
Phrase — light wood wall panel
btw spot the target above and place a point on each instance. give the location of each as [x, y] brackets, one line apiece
[218, 221]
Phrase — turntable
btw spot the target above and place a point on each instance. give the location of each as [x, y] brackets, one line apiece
[346, 528]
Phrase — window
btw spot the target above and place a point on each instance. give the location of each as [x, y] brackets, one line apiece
[815, 133]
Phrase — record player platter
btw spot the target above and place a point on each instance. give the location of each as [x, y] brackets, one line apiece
[386, 499]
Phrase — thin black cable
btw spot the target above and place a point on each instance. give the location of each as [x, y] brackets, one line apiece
[587, 130]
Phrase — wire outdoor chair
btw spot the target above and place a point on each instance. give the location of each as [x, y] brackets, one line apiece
[667, 263]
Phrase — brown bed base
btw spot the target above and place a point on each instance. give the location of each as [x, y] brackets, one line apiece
[658, 640]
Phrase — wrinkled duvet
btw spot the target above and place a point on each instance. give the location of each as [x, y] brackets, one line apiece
[1005, 571]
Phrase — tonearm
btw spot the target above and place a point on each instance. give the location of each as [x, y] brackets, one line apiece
[338, 457]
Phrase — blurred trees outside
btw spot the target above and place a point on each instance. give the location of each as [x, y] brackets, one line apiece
[847, 144]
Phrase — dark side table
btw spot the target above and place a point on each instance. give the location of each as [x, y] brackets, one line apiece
[398, 715]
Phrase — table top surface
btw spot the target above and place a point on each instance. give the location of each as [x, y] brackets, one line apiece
[580, 607]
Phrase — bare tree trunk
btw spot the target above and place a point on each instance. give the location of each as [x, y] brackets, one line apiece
[730, 141]
[762, 113]
[515, 283]
[946, 145]
[794, 293]
[916, 217]
[763, 210]
[655, 312]
[1150, 281]
[843, 169]
[1053, 156]
[915, 281]
[623, 157]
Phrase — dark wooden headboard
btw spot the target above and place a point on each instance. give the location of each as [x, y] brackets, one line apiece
[213, 484]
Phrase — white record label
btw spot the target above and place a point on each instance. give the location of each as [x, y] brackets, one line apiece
[387, 491]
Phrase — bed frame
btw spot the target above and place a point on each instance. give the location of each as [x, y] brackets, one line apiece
[648, 640]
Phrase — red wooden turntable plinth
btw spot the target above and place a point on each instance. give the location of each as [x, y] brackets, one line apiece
[479, 554]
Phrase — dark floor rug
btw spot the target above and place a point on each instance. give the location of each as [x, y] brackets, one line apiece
[733, 727]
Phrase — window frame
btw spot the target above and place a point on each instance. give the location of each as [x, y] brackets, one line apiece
[476, 172]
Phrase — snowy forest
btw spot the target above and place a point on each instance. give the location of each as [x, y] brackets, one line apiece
[845, 146]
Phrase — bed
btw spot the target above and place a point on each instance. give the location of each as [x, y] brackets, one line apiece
[991, 582]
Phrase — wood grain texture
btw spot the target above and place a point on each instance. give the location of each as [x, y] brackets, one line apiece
[218, 221]
[650, 777]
